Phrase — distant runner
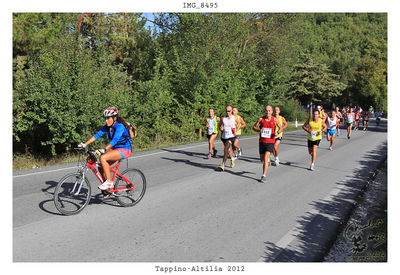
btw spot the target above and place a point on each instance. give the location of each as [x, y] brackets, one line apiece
[366, 119]
[340, 118]
[357, 120]
[239, 125]
[378, 115]
[266, 126]
[331, 122]
[278, 138]
[228, 129]
[314, 129]
[350, 116]
[212, 131]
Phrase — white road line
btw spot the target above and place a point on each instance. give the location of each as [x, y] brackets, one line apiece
[134, 157]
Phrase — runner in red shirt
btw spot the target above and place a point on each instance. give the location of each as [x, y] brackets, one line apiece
[266, 126]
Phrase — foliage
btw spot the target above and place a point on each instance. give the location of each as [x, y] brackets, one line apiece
[68, 67]
[314, 82]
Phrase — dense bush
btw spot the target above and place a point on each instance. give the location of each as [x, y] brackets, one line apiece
[69, 67]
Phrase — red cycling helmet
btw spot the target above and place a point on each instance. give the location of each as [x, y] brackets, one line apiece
[110, 112]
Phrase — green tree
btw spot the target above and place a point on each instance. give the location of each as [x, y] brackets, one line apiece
[314, 82]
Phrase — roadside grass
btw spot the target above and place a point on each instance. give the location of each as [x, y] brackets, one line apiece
[23, 162]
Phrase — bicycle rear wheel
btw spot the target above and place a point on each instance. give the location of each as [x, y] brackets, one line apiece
[72, 194]
[132, 189]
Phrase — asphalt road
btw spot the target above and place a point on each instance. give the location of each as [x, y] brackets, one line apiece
[192, 212]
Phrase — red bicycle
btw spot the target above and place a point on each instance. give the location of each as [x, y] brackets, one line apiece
[73, 191]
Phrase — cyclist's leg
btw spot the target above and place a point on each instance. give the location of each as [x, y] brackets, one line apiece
[108, 159]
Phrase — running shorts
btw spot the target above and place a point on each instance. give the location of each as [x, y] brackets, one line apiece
[238, 136]
[330, 132]
[266, 147]
[311, 144]
[349, 123]
[125, 153]
[209, 136]
[232, 139]
[278, 138]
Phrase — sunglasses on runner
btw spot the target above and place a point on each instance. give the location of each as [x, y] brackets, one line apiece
[228, 111]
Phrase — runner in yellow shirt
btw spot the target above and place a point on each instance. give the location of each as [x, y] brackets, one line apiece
[314, 128]
[239, 122]
[278, 138]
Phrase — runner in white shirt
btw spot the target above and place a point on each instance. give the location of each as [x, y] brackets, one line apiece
[331, 122]
[228, 129]
[350, 117]
[212, 131]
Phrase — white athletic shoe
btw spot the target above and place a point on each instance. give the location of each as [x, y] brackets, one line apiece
[312, 167]
[276, 161]
[106, 185]
[330, 148]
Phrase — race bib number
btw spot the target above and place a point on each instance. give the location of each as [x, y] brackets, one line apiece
[266, 132]
[228, 132]
[313, 134]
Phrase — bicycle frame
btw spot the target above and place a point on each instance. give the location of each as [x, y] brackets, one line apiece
[114, 170]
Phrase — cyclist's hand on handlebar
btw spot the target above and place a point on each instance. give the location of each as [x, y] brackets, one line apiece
[99, 152]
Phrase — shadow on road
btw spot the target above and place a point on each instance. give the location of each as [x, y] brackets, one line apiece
[316, 231]
[188, 153]
[211, 167]
[48, 205]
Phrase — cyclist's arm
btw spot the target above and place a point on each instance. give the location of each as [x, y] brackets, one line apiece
[90, 140]
[99, 134]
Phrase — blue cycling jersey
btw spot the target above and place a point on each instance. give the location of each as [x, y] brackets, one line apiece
[118, 135]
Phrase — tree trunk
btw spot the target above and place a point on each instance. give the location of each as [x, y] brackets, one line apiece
[201, 128]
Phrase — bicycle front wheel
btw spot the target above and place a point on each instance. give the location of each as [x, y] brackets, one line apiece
[72, 194]
[132, 186]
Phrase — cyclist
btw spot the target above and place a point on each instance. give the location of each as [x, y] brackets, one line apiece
[120, 146]
[331, 123]
[228, 129]
[239, 123]
[266, 126]
[314, 128]
[278, 138]
[212, 131]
